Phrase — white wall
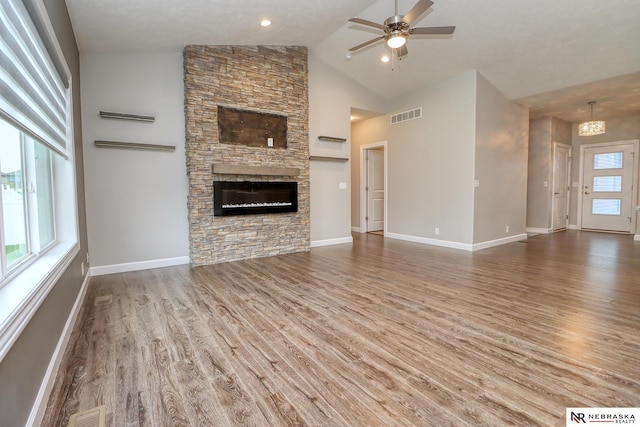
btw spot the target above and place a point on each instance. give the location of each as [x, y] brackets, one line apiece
[331, 96]
[502, 139]
[136, 200]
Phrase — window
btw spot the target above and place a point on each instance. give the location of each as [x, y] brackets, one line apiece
[607, 184]
[27, 227]
[605, 207]
[608, 161]
[38, 213]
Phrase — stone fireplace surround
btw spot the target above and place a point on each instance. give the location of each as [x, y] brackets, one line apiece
[265, 79]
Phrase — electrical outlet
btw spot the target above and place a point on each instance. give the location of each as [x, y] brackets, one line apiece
[88, 258]
[545, 184]
[476, 183]
[507, 230]
[342, 185]
[82, 269]
[269, 142]
[437, 231]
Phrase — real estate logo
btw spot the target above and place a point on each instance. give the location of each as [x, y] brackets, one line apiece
[579, 416]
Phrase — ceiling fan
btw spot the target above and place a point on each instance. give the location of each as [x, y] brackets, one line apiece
[397, 28]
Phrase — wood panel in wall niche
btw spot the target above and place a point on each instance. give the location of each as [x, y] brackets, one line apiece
[251, 128]
[271, 79]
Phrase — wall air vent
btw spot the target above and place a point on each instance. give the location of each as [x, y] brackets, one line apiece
[416, 113]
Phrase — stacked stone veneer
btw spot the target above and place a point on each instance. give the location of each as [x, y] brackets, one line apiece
[258, 78]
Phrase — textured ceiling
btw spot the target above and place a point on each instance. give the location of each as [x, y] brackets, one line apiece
[164, 25]
[616, 96]
[552, 56]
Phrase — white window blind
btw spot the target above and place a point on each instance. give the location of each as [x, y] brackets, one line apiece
[32, 93]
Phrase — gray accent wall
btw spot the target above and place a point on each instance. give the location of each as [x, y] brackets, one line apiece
[23, 368]
[331, 97]
[468, 131]
[502, 130]
[364, 132]
[430, 162]
[539, 165]
[136, 200]
[543, 132]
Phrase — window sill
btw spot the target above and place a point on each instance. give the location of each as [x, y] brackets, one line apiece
[23, 295]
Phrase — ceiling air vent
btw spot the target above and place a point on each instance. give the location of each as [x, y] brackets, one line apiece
[406, 115]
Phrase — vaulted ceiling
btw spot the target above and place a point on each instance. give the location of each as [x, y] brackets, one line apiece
[551, 56]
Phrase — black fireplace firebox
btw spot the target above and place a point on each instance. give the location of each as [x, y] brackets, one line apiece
[251, 197]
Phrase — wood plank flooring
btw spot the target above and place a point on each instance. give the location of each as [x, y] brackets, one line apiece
[378, 333]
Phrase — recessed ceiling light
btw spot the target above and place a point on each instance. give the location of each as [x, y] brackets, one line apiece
[265, 23]
[385, 58]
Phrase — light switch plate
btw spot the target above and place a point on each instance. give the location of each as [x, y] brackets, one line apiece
[269, 142]
[343, 185]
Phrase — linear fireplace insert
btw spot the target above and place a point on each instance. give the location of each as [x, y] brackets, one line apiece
[251, 197]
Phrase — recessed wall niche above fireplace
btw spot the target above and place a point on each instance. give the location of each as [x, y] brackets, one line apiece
[251, 128]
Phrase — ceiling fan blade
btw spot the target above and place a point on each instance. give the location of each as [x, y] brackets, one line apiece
[402, 51]
[368, 23]
[432, 30]
[417, 11]
[365, 44]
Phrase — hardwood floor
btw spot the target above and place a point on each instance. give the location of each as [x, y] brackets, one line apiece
[378, 333]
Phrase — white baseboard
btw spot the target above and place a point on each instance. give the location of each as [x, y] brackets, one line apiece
[140, 265]
[535, 230]
[498, 242]
[356, 230]
[329, 242]
[573, 227]
[458, 245]
[428, 241]
[40, 404]
[636, 237]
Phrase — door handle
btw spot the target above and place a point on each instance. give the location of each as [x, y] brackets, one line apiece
[586, 192]
[556, 193]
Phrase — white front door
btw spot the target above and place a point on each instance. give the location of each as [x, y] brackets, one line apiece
[607, 187]
[560, 201]
[375, 190]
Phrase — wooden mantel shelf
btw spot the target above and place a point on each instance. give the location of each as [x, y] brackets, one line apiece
[222, 169]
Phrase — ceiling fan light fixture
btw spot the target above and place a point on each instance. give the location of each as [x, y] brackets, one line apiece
[592, 127]
[396, 40]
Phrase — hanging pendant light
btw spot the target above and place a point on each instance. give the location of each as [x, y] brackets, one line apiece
[592, 127]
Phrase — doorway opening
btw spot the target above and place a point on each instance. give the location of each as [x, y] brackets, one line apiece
[373, 188]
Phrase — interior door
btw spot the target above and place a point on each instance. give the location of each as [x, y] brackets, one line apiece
[607, 187]
[375, 190]
[560, 201]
